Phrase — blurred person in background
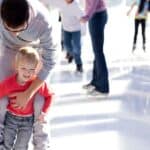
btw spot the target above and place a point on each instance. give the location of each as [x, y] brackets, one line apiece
[140, 19]
[96, 15]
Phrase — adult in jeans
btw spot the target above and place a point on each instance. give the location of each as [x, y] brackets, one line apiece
[96, 14]
[25, 23]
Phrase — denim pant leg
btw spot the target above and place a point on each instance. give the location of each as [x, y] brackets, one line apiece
[10, 132]
[24, 134]
[18, 131]
[68, 42]
[100, 72]
[76, 44]
[41, 131]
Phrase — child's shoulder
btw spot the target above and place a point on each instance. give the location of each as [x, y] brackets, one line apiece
[10, 78]
[45, 88]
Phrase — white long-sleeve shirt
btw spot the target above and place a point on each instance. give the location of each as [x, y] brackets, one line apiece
[70, 13]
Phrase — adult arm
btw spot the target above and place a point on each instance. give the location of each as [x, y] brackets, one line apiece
[27, 94]
[90, 11]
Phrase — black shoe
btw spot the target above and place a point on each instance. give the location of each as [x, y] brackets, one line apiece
[69, 57]
[62, 45]
[2, 145]
[79, 68]
[133, 48]
[144, 47]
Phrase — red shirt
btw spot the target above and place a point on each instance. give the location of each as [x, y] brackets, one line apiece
[10, 85]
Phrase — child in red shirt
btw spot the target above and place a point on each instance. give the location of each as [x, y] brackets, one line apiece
[19, 121]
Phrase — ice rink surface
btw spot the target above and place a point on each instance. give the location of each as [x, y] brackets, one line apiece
[120, 121]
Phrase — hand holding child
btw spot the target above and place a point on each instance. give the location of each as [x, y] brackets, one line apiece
[42, 118]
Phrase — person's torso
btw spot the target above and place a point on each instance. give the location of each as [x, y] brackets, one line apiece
[100, 5]
[143, 13]
[15, 87]
[71, 14]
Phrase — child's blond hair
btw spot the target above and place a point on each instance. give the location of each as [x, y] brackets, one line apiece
[29, 54]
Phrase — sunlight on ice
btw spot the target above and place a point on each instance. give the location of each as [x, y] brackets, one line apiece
[95, 141]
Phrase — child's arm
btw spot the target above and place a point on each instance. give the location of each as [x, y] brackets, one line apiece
[42, 118]
[45, 92]
[54, 3]
[78, 12]
[132, 6]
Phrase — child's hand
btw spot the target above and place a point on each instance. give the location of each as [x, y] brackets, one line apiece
[83, 20]
[136, 14]
[42, 118]
[128, 13]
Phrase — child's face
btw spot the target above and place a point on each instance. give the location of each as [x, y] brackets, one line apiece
[69, 1]
[26, 71]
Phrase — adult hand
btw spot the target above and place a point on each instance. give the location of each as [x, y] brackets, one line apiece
[21, 99]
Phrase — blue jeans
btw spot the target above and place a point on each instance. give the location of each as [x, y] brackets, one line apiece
[100, 72]
[72, 43]
[17, 131]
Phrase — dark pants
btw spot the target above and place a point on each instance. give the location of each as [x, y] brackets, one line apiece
[100, 72]
[143, 25]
